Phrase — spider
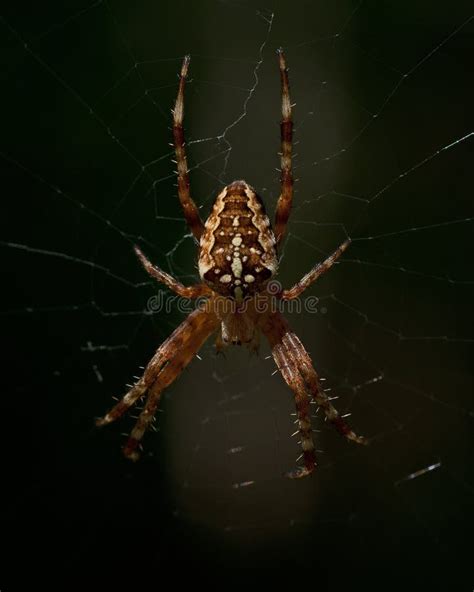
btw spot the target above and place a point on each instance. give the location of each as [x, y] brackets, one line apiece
[237, 259]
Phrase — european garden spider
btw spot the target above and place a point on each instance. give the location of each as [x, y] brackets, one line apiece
[237, 258]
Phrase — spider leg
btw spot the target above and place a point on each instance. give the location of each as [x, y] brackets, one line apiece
[275, 330]
[169, 361]
[315, 273]
[302, 401]
[170, 282]
[311, 379]
[283, 208]
[191, 212]
[134, 394]
[297, 369]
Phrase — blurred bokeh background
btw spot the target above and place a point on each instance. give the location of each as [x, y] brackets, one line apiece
[384, 129]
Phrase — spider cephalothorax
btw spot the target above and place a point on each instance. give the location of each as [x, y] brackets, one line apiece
[237, 259]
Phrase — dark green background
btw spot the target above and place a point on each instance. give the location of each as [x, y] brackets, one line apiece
[77, 199]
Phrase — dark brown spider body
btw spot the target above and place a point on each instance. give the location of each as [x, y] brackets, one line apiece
[238, 248]
[237, 258]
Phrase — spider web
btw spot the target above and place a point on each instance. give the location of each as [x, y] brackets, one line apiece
[384, 135]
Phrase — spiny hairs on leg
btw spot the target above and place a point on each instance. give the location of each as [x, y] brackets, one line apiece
[169, 361]
[310, 377]
[275, 329]
[169, 281]
[134, 394]
[285, 200]
[302, 402]
[317, 271]
[297, 369]
[191, 211]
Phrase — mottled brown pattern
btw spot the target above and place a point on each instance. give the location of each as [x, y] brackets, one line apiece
[237, 258]
[237, 244]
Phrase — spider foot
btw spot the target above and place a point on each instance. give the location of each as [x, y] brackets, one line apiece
[357, 439]
[131, 449]
[299, 472]
[103, 421]
[309, 459]
[134, 394]
[342, 427]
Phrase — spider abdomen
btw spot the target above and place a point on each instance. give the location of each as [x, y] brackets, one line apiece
[237, 255]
